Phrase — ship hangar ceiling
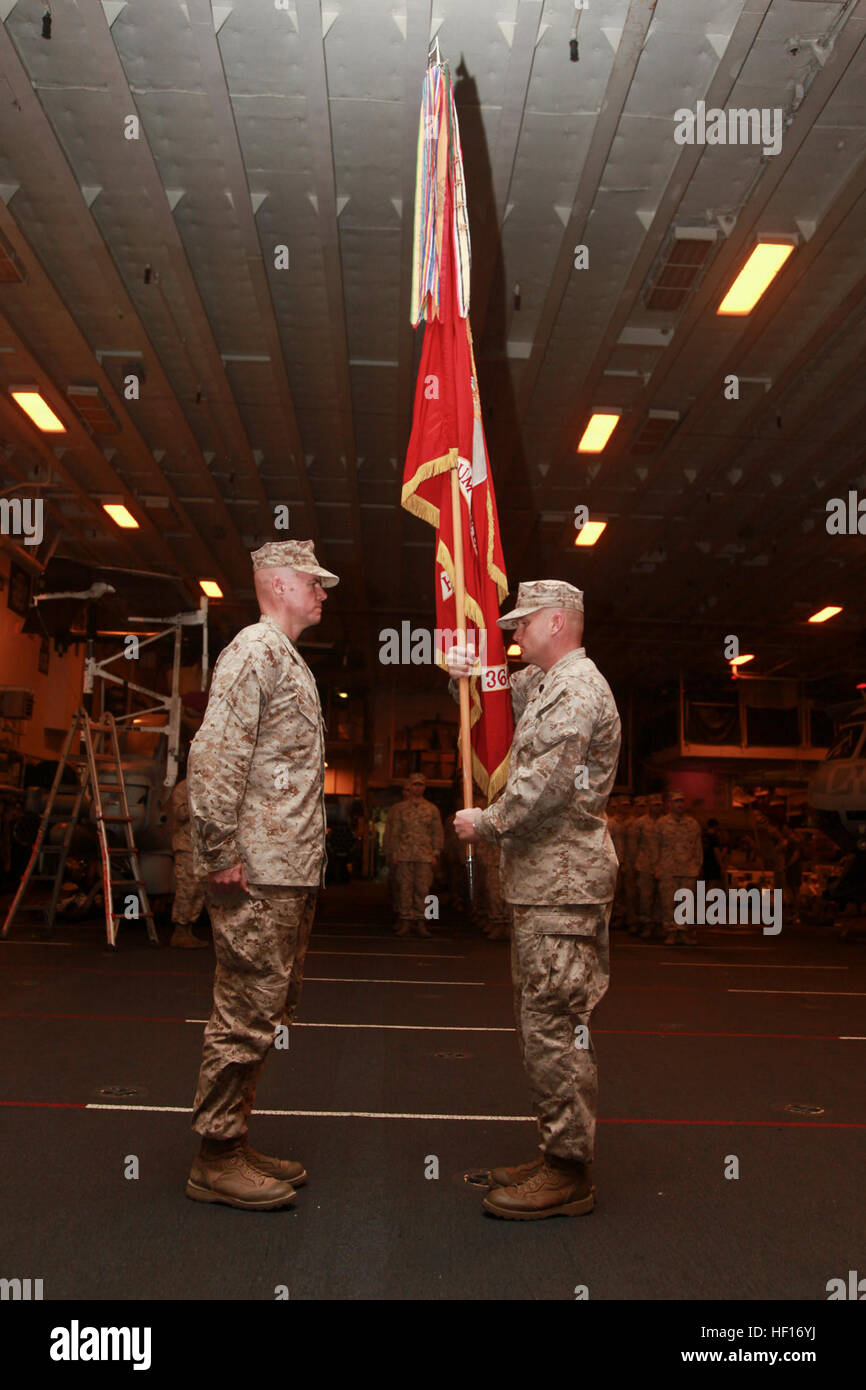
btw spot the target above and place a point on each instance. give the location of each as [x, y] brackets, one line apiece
[155, 157]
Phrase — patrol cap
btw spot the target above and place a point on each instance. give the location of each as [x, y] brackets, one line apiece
[640, 803]
[676, 796]
[297, 555]
[542, 593]
[657, 799]
[416, 777]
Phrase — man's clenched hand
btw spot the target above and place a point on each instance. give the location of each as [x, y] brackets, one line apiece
[461, 660]
[228, 878]
[464, 826]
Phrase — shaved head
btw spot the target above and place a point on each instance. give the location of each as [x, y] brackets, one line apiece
[547, 634]
[293, 598]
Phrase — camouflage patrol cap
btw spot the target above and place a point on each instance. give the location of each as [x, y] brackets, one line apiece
[296, 555]
[677, 796]
[542, 593]
[657, 799]
[416, 777]
[640, 803]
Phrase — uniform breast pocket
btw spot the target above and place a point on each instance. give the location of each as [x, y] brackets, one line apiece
[554, 722]
[305, 707]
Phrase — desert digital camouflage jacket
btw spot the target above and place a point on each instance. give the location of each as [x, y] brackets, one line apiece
[413, 831]
[181, 830]
[556, 846]
[646, 842]
[617, 829]
[680, 847]
[630, 842]
[256, 771]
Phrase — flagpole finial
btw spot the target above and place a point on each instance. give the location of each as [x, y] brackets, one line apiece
[433, 54]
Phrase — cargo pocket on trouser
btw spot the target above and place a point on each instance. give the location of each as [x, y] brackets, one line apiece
[560, 983]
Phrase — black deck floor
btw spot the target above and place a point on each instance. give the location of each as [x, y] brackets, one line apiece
[701, 1053]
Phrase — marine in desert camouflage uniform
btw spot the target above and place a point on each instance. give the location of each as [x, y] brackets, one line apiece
[256, 790]
[558, 873]
[630, 846]
[678, 864]
[632, 835]
[646, 859]
[618, 821]
[491, 909]
[189, 886]
[412, 845]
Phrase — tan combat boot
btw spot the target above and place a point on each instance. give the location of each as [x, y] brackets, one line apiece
[221, 1172]
[184, 937]
[507, 1177]
[285, 1169]
[556, 1188]
[403, 928]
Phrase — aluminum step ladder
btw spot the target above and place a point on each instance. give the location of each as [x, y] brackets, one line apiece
[95, 762]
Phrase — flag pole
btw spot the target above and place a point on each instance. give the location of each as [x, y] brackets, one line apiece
[465, 734]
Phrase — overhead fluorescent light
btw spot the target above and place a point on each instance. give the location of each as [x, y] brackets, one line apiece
[211, 588]
[757, 274]
[590, 532]
[120, 515]
[823, 614]
[741, 660]
[598, 432]
[343, 694]
[40, 412]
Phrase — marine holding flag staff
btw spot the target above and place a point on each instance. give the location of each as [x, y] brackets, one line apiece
[256, 789]
[559, 873]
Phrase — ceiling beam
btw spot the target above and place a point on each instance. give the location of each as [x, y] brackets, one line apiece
[748, 220]
[182, 308]
[231, 157]
[129, 440]
[315, 75]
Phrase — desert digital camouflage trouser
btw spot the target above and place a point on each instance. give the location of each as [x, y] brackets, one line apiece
[648, 898]
[489, 907]
[560, 967]
[189, 891]
[618, 912]
[632, 896]
[413, 880]
[668, 885]
[260, 940]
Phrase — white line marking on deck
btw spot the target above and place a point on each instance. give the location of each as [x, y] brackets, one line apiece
[328, 1114]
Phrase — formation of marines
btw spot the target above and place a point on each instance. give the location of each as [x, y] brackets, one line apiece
[658, 854]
